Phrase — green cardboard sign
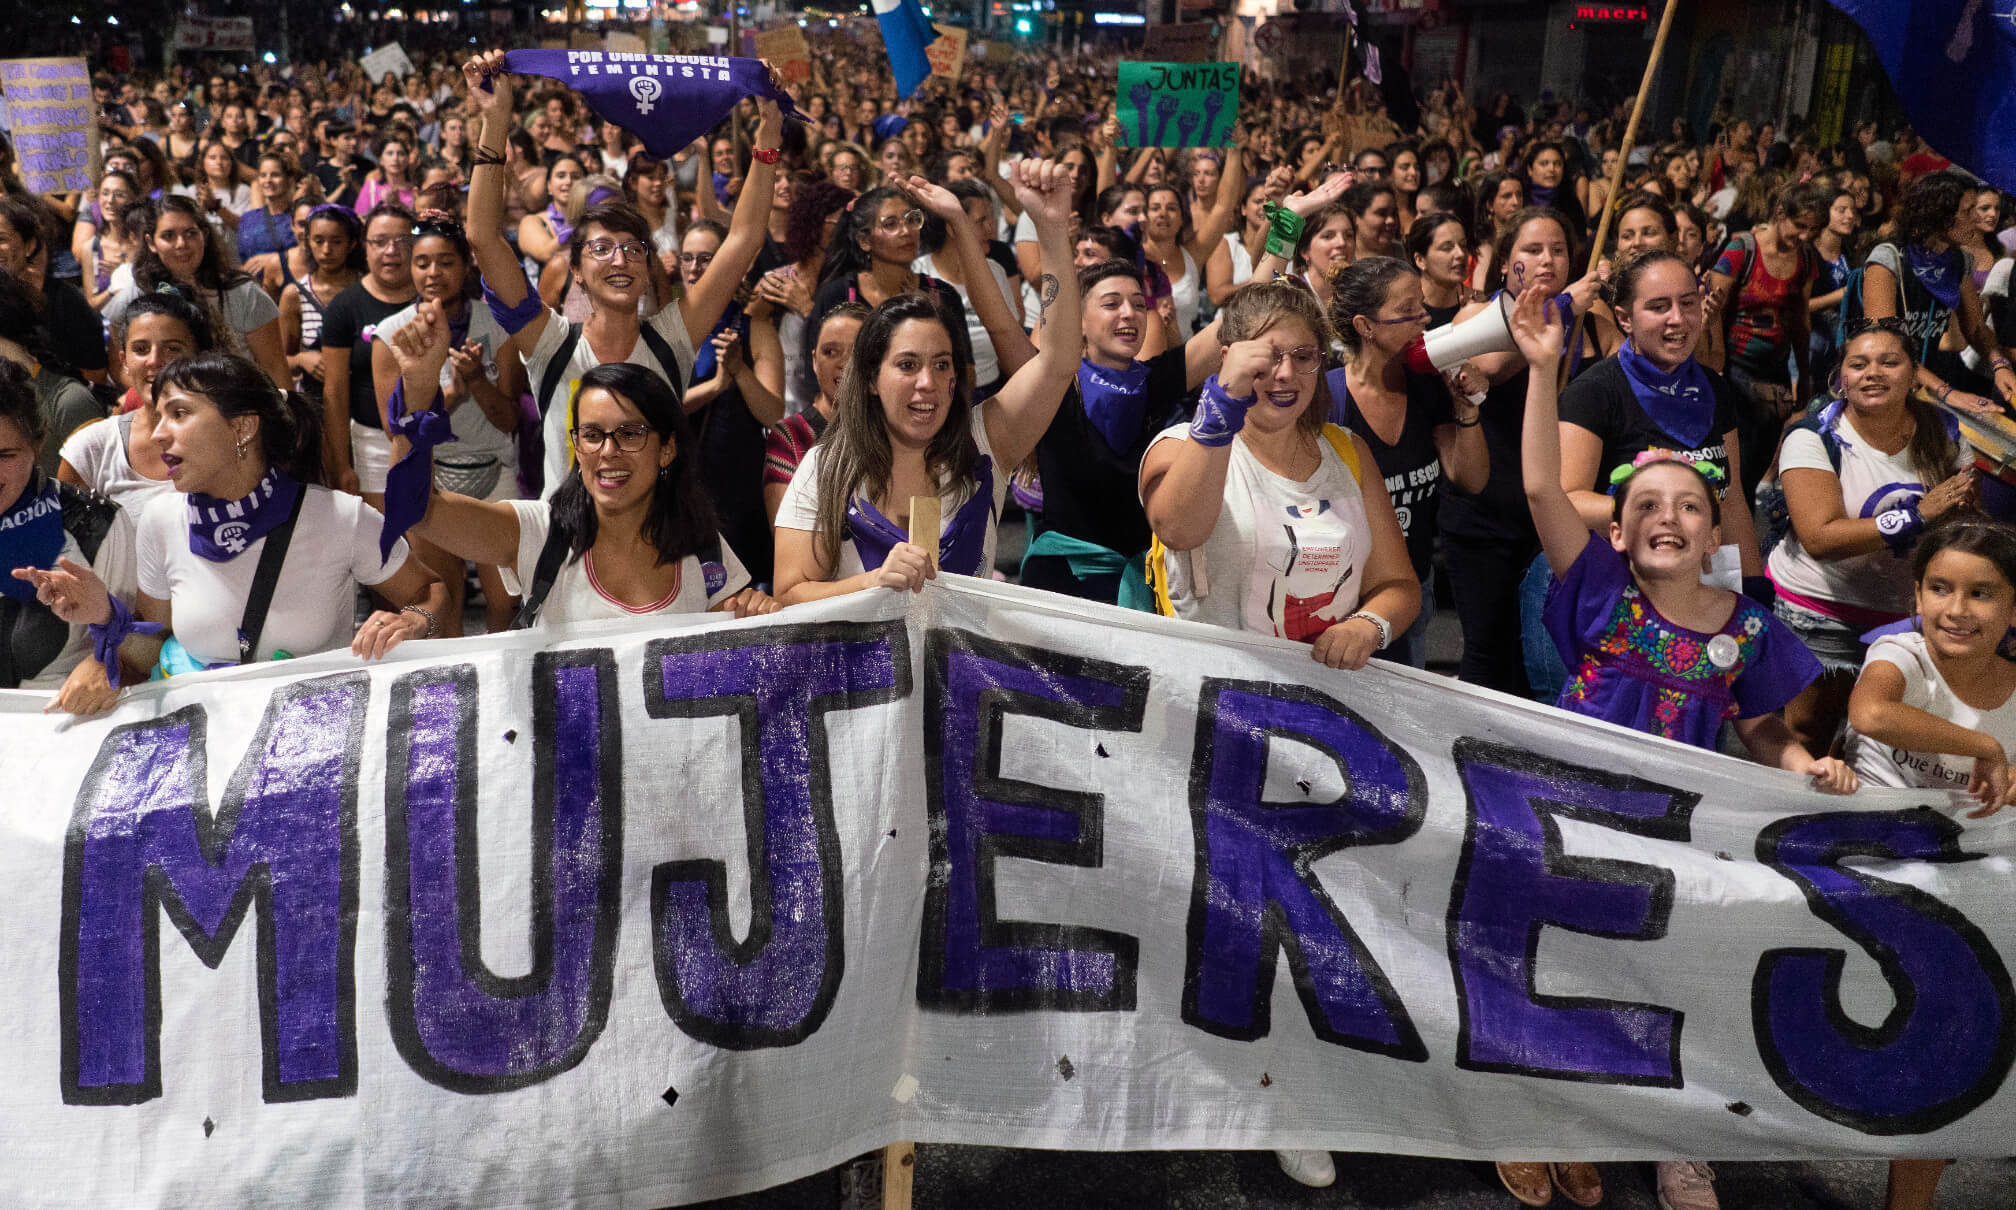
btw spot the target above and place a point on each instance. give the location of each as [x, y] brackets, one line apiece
[1178, 104]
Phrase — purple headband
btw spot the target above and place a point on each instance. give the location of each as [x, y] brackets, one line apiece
[604, 194]
[343, 214]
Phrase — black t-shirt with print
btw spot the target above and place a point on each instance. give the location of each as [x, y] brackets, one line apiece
[1601, 401]
[1411, 465]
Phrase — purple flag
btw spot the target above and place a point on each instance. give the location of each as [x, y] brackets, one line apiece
[665, 100]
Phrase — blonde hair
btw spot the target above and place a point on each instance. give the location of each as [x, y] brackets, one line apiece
[1256, 308]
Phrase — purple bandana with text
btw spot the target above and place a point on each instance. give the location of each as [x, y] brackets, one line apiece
[665, 100]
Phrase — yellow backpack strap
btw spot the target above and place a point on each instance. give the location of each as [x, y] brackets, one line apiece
[1347, 449]
[1158, 577]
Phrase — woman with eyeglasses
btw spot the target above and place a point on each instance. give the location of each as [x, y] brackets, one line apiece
[479, 392]
[628, 533]
[101, 243]
[360, 453]
[871, 255]
[180, 252]
[1270, 519]
[905, 426]
[334, 241]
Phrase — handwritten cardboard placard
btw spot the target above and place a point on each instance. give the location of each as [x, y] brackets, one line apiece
[389, 59]
[53, 122]
[1178, 104]
[947, 52]
[213, 33]
[1190, 42]
[623, 42]
[786, 49]
[1000, 51]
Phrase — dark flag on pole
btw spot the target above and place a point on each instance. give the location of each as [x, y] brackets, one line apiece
[1953, 64]
[665, 100]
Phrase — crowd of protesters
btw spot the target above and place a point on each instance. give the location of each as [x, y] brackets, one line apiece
[316, 348]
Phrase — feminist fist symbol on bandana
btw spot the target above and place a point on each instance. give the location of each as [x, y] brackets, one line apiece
[646, 90]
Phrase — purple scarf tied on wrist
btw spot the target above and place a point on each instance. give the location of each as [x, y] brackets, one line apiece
[221, 530]
[960, 547]
[665, 100]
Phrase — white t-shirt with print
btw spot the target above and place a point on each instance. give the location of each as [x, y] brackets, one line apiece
[668, 323]
[1925, 689]
[314, 609]
[1285, 558]
[577, 596]
[1871, 483]
[800, 507]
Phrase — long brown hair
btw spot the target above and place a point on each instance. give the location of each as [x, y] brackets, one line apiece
[1934, 453]
[1254, 310]
[855, 457]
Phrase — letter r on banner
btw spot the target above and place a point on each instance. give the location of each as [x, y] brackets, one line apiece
[971, 959]
[281, 846]
[1946, 1044]
[775, 987]
[1515, 880]
[1255, 893]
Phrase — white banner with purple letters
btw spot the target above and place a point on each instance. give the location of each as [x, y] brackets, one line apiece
[653, 913]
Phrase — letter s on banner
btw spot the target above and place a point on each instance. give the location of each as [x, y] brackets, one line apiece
[970, 959]
[1514, 880]
[283, 846]
[1933, 1058]
[776, 987]
[1254, 893]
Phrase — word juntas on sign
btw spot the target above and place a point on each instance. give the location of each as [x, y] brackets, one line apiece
[283, 848]
[1178, 104]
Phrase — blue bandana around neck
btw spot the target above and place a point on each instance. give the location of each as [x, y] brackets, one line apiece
[1541, 195]
[221, 530]
[1938, 272]
[31, 535]
[959, 547]
[1681, 403]
[666, 100]
[1115, 401]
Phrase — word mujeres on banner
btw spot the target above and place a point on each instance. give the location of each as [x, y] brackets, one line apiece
[1178, 813]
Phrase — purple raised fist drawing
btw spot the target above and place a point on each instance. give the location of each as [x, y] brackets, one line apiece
[1186, 125]
[1213, 102]
[1165, 108]
[1141, 94]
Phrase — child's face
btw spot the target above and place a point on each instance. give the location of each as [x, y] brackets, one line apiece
[1668, 529]
[1965, 605]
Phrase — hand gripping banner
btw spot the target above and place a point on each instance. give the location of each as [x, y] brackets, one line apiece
[665, 100]
[656, 912]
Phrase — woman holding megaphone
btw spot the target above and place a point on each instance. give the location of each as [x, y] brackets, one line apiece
[1488, 539]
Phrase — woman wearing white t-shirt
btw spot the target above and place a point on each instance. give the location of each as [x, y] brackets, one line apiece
[116, 457]
[1861, 481]
[480, 395]
[628, 533]
[905, 426]
[247, 461]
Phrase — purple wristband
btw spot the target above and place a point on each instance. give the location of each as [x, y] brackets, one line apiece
[511, 319]
[106, 637]
[1220, 415]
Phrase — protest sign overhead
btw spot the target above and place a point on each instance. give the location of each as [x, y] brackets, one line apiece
[213, 33]
[785, 49]
[590, 910]
[1178, 104]
[52, 122]
[1189, 42]
[948, 52]
[389, 59]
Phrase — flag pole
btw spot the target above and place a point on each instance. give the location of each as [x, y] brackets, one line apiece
[1611, 197]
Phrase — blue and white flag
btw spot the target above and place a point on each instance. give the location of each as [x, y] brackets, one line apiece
[665, 100]
[1953, 64]
[905, 32]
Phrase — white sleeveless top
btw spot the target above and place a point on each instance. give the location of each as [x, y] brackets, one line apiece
[1184, 292]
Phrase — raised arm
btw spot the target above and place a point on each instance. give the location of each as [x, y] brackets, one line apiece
[1224, 211]
[503, 277]
[1017, 416]
[1011, 344]
[1562, 533]
[716, 287]
[1183, 482]
[1269, 265]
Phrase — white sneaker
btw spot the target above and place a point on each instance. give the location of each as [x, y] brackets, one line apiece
[1312, 1168]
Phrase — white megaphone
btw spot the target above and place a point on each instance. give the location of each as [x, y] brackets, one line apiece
[1446, 347]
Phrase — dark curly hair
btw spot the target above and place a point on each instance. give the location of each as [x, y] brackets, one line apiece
[805, 221]
[1927, 209]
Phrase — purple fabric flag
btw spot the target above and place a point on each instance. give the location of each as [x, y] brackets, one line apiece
[665, 100]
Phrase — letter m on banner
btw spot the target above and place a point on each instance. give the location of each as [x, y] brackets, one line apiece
[283, 845]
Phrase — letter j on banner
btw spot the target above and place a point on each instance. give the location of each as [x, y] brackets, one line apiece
[1178, 104]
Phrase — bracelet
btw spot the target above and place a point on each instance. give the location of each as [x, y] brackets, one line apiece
[1899, 527]
[1943, 392]
[1284, 230]
[1385, 629]
[1475, 420]
[433, 626]
[767, 155]
[484, 156]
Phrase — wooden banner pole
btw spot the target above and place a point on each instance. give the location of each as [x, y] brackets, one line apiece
[1617, 174]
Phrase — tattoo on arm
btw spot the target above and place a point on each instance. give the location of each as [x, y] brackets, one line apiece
[1046, 294]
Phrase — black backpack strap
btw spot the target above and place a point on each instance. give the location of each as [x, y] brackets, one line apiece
[87, 517]
[556, 368]
[559, 540]
[265, 579]
[667, 361]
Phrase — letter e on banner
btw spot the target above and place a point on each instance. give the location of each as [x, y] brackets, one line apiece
[1515, 880]
[1255, 895]
[1933, 1057]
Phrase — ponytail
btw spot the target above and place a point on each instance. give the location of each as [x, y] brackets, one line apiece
[290, 431]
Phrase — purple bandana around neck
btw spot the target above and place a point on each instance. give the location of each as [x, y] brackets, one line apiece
[221, 530]
[1938, 272]
[31, 535]
[1682, 403]
[562, 229]
[1115, 401]
[666, 100]
[959, 547]
[1541, 195]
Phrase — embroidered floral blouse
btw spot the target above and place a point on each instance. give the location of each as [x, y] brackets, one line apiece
[1632, 667]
